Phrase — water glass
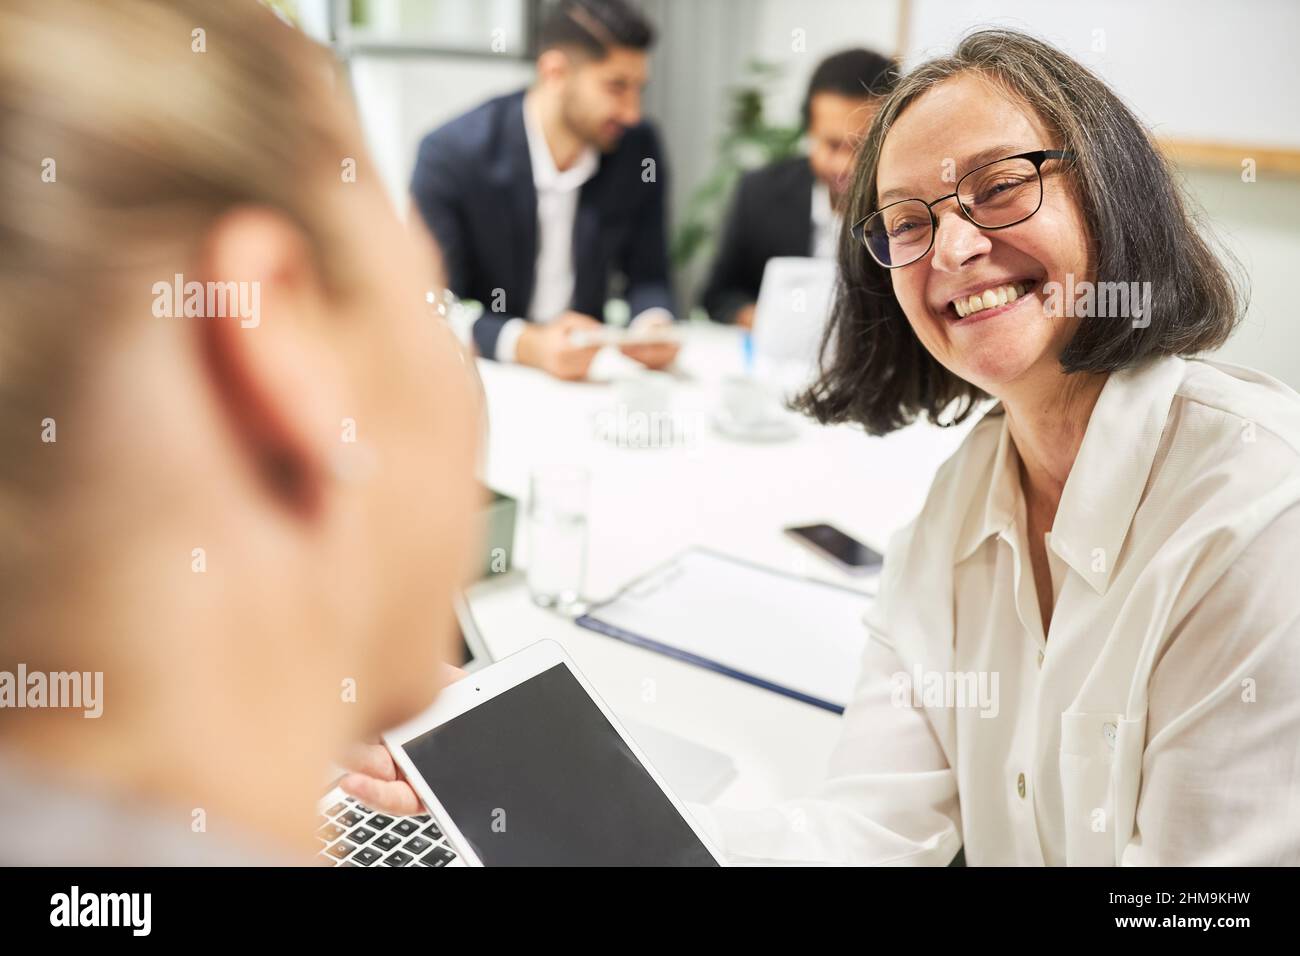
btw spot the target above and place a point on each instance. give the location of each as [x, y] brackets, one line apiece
[557, 538]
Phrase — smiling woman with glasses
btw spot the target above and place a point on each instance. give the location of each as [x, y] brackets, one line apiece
[1111, 549]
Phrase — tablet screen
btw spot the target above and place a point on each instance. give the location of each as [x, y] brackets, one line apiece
[538, 776]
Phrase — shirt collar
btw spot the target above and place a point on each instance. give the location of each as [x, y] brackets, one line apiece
[1110, 473]
[1105, 486]
[821, 204]
[545, 174]
[1002, 491]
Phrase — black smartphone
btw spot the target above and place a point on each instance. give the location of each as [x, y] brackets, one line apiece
[845, 552]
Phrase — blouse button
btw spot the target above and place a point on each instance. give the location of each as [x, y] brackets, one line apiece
[1020, 786]
[1040, 658]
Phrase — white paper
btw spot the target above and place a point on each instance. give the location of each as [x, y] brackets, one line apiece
[800, 634]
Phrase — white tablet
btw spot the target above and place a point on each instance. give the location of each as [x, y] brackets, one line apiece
[472, 651]
[521, 763]
[655, 334]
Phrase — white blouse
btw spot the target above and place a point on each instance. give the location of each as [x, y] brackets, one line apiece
[1158, 722]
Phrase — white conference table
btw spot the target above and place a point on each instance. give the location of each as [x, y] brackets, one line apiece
[648, 504]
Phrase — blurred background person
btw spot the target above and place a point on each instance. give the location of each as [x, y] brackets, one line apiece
[538, 197]
[181, 508]
[793, 207]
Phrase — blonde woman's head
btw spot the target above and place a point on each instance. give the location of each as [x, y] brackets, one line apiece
[235, 447]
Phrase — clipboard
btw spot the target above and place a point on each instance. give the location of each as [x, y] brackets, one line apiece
[794, 636]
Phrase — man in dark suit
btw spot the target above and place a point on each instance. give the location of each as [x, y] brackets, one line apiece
[791, 208]
[538, 198]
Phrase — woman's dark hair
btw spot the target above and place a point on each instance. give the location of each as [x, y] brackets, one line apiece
[595, 27]
[874, 370]
[858, 74]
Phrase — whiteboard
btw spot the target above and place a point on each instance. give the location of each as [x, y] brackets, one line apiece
[1201, 71]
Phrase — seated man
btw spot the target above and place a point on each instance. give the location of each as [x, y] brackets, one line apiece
[538, 197]
[791, 208]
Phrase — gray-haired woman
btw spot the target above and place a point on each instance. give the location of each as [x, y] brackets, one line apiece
[1084, 651]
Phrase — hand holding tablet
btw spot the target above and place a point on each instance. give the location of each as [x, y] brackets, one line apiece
[522, 764]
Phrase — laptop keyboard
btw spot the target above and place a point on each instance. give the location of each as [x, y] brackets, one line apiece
[352, 834]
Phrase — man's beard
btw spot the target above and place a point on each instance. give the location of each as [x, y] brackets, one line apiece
[589, 133]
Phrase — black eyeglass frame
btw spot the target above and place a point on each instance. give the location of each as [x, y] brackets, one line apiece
[1036, 156]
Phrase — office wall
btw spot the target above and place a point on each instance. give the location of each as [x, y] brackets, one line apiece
[401, 99]
[798, 35]
[702, 55]
[1260, 223]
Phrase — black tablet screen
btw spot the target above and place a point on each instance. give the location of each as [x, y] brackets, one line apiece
[538, 776]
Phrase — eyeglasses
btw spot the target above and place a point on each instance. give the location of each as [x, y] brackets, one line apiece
[453, 318]
[993, 196]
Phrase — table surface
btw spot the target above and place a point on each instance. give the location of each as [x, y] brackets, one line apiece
[649, 503]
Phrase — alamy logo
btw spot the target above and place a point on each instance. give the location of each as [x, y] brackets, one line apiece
[56, 690]
[179, 299]
[1103, 300]
[964, 690]
[103, 909]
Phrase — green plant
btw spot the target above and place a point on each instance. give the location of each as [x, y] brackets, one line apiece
[748, 141]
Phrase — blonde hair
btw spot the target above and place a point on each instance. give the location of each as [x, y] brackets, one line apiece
[128, 126]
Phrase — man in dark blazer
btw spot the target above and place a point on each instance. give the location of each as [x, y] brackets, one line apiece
[791, 208]
[538, 198]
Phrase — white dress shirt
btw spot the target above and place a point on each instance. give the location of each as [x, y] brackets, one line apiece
[825, 222]
[557, 208]
[1158, 721]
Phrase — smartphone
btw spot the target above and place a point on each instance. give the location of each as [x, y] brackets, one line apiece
[845, 552]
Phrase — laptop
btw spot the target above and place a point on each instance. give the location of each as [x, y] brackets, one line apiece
[794, 302]
[352, 834]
